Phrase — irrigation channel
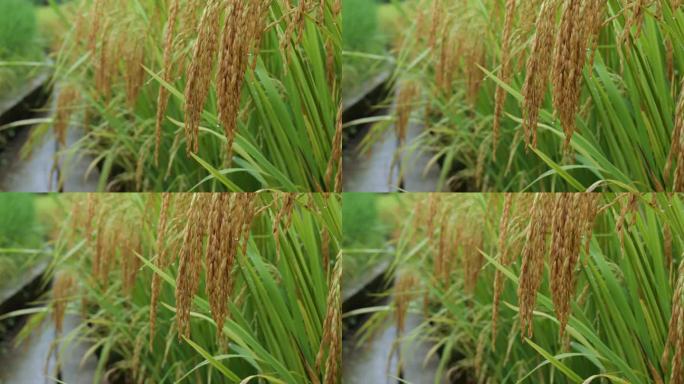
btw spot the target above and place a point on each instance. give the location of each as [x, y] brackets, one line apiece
[372, 171]
[376, 360]
[34, 359]
[23, 113]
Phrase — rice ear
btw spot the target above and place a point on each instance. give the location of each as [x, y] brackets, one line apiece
[505, 73]
[187, 280]
[160, 261]
[163, 96]
[534, 254]
[62, 292]
[675, 336]
[332, 328]
[404, 292]
[200, 71]
[578, 22]
[503, 259]
[538, 69]
[676, 156]
[239, 37]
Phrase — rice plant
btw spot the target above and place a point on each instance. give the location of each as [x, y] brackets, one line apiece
[545, 95]
[181, 95]
[210, 288]
[544, 288]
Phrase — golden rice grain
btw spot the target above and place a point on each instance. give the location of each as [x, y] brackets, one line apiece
[437, 16]
[534, 253]
[529, 10]
[565, 248]
[163, 96]
[187, 280]
[408, 92]
[239, 35]
[676, 155]
[221, 245]
[569, 60]
[103, 67]
[332, 329]
[503, 259]
[335, 158]
[160, 261]
[62, 292]
[675, 336]
[134, 59]
[404, 292]
[448, 60]
[505, 73]
[538, 69]
[66, 103]
[96, 16]
[250, 201]
[200, 71]
[440, 271]
[472, 259]
[475, 58]
[325, 248]
[130, 260]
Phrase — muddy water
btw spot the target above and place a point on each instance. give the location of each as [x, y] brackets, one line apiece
[38, 172]
[370, 172]
[32, 174]
[74, 169]
[417, 368]
[74, 368]
[34, 361]
[378, 170]
[418, 176]
[27, 363]
[371, 362]
[377, 361]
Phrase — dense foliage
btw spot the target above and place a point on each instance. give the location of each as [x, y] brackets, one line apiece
[545, 288]
[219, 95]
[17, 43]
[545, 94]
[202, 287]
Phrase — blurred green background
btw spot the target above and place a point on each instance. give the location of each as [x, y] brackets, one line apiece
[367, 220]
[25, 219]
[369, 28]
